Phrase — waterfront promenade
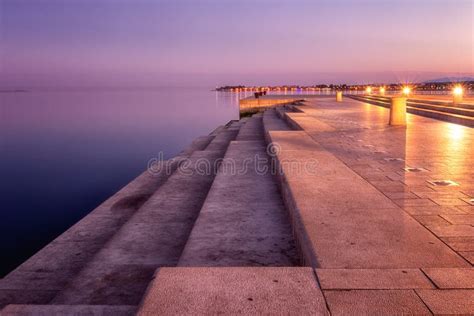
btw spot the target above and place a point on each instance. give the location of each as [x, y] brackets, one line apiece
[350, 217]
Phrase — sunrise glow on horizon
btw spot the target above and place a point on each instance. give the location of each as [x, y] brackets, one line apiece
[250, 42]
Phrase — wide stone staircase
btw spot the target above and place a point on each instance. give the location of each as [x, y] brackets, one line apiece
[208, 206]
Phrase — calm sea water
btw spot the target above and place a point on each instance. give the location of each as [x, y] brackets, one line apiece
[64, 152]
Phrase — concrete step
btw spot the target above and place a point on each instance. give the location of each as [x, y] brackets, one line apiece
[441, 108]
[431, 105]
[153, 237]
[432, 102]
[333, 208]
[281, 110]
[61, 310]
[443, 116]
[221, 141]
[252, 129]
[273, 122]
[443, 113]
[40, 278]
[234, 291]
[243, 221]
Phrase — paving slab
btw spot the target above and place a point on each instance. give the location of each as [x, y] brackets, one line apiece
[58, 310]
[375, 302]
[452, 230]
[431, 220]
[448, 302]
[388, 279]
[466, 209]
[247, 291]
[467, 219]
[334, 209]
[433, 210]
[451, 278]
[460, 243]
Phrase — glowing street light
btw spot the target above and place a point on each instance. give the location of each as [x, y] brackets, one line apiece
[368, 90]
[457, 94]
[406, 91]
[382, 90]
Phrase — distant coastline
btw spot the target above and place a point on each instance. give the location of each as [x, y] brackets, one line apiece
[433, 85]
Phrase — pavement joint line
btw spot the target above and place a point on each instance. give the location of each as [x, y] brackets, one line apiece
[440, 238]
[318, 282]
[428, 277]
[426, 305]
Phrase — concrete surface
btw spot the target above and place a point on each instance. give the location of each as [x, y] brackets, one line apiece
[335, 208]
[231, 291]
[243, 221]
[393, 279]
[379, 154]
[375, 302]
[448, 302]
[451, 278]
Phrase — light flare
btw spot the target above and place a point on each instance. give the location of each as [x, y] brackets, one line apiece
[406, 90]
[458, 90]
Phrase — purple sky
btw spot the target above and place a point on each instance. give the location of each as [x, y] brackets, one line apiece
[206, 43]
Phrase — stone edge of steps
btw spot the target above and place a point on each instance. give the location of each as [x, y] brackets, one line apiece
[77, 293]
[57, 310]
[17, 287]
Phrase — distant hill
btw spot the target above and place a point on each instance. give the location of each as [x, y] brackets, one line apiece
[450, 79]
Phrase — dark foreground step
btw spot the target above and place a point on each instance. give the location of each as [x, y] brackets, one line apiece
[243, 221]
[40, 278]
[60, 310]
